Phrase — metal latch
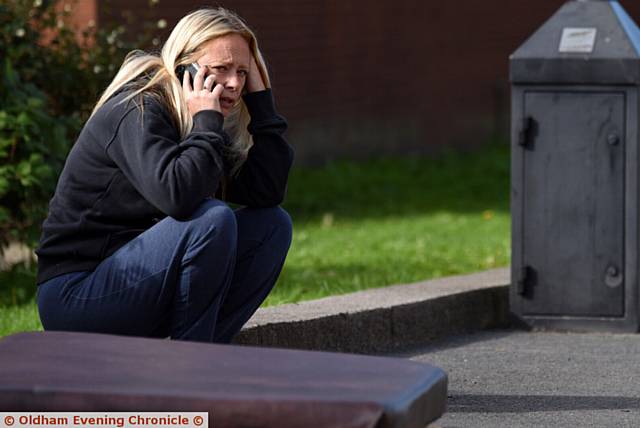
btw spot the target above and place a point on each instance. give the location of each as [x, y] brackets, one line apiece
[527, 130]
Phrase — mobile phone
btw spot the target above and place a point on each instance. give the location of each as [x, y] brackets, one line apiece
[191, 68]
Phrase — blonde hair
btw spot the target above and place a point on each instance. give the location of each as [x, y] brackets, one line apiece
[181, 48]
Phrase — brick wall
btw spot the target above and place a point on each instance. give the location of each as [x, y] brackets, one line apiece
[358, 78]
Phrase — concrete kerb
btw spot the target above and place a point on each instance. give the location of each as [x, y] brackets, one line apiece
[385, 319]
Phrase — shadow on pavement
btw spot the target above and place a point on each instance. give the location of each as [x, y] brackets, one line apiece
[458, 340]
[487, 403]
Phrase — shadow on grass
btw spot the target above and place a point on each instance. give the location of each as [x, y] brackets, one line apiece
[454, 182]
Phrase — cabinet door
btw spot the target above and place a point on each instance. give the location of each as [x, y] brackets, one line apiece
[573, 204]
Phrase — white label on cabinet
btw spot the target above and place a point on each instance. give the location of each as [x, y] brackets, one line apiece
[578, 40]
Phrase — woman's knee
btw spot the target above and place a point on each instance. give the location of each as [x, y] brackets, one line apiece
[279, 220]
[213, 212]
[283, 222]
[213, 221]
[271, 224]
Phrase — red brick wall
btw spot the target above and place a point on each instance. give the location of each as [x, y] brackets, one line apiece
[359, 78]
[83, 12]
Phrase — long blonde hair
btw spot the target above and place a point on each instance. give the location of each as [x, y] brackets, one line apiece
[181, 48]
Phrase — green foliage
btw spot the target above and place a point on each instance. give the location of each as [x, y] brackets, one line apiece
[19, 286]
[50, 77]
[18, 309]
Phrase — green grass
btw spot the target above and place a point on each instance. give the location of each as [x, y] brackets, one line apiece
[360, 225]
[18, 310]
[390, 221]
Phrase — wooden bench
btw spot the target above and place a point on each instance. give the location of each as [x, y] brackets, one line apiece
[237, 385]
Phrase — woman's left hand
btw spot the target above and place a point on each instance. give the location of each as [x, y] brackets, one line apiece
[254, 79]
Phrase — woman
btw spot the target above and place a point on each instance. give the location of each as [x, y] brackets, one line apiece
[137, 240]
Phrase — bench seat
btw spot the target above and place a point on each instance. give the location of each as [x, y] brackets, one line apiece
[237, 385]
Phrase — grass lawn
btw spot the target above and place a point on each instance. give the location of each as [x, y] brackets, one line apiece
[360, 225]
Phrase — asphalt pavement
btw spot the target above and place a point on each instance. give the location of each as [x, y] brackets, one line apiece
[513, 378]
[497, 378]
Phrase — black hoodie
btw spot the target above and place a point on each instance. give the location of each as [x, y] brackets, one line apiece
[128, 169]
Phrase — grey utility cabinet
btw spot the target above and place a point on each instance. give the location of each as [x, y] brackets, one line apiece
[574, 171]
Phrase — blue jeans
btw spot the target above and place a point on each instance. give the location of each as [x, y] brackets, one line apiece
[200, 279]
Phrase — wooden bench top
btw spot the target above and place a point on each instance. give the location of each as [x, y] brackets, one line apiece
[238, 385]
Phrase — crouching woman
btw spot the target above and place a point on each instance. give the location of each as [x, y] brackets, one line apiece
[139, 239]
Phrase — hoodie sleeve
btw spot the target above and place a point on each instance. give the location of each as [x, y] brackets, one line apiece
[262, 178]
[173, 175]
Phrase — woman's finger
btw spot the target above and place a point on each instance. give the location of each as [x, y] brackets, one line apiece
[217, 90]
[186, 82]
[198, 81]
[209, 82]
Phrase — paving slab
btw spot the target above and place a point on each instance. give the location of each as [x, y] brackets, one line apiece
[511, 378]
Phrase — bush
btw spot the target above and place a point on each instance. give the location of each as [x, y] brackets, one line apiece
[50, 77]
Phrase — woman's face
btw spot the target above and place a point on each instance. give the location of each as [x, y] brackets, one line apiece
[228, 58]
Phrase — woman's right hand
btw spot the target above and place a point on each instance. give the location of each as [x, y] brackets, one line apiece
[200, 96]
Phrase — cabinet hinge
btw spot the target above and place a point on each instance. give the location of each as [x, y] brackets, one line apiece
[525, 280]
